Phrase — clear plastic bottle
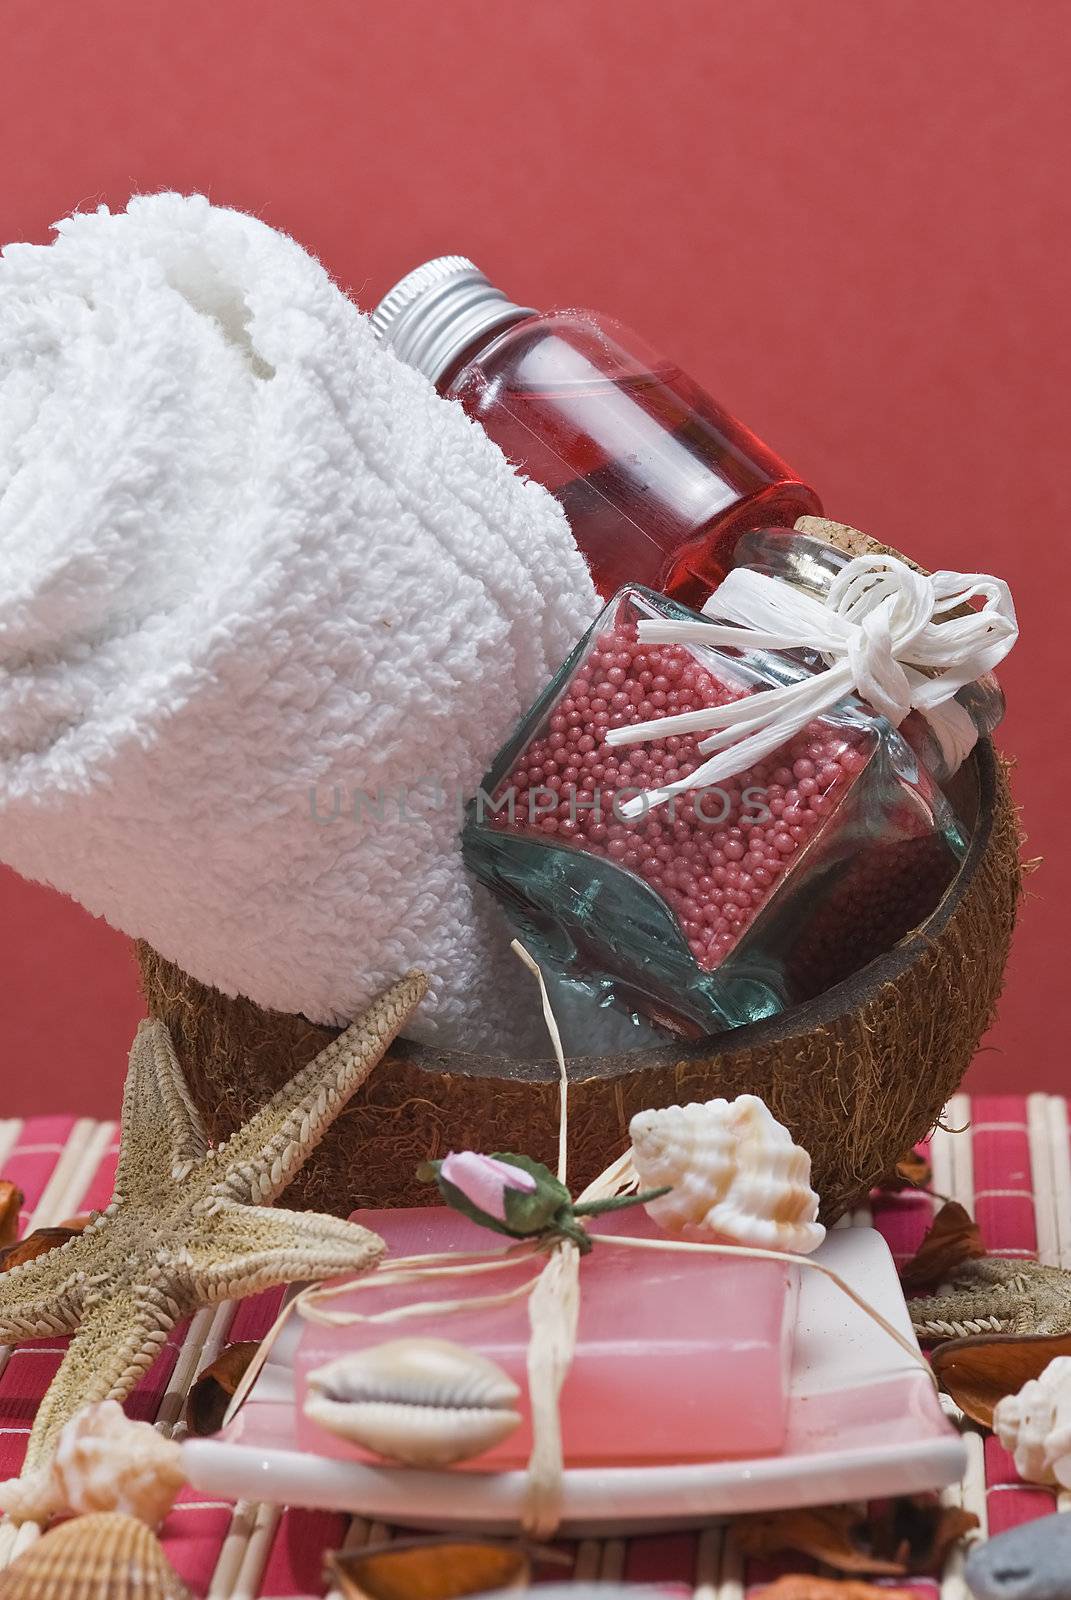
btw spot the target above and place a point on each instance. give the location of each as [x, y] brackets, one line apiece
[658, 481]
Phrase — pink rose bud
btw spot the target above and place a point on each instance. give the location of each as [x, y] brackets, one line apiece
[484, 1181]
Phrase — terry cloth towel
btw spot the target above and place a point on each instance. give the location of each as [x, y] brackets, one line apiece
[257, 578]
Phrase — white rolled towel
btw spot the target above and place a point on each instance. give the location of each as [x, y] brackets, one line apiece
[251, 565]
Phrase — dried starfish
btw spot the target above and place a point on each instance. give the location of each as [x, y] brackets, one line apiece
[187, 1225]
[994, 1295]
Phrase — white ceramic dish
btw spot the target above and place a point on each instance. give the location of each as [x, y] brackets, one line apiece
[863, 1422]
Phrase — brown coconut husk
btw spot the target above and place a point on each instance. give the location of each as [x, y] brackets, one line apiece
[859, 1074]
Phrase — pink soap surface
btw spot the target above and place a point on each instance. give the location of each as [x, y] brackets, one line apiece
[680, 1357]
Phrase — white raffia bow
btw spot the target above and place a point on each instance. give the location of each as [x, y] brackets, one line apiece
[885, 633]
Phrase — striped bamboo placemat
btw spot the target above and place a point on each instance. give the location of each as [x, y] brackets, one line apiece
[1010, 1166]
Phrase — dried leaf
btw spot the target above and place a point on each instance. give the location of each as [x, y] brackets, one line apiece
[11, 1199]
[909, 1535]
[428, 1569]
[802, 1586]
[979, 1372]
[953, 1238]
[912, 1171]
[917, 1531]
[833, 1534]
[35, 1244]
[950, 1527]
[211, 1392]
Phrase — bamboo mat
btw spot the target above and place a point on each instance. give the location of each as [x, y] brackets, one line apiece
[1011, 1167]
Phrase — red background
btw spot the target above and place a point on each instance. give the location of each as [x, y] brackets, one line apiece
[850, 221]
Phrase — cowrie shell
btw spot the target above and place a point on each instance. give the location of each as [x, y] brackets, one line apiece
[423, 1402]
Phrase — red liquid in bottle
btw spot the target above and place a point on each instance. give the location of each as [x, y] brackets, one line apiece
[657, 479]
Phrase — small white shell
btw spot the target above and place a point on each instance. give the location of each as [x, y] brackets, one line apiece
[424, 1402]
[734, 1171]
[1035, 1425]
[103, 1461]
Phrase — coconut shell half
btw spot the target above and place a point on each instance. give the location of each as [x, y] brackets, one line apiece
[859, 1074]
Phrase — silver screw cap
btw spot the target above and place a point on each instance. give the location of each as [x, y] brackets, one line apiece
[437, 310]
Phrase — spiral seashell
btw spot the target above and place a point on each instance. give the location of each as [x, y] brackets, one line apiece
[98, 1557]
[733, 1171]
[1035, 1425]
[423, 1402]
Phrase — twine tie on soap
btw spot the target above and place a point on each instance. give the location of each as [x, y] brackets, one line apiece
[552, 1294]
[900, 639]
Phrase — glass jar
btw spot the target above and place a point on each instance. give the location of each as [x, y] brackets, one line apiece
[657, 479]
[734, 901]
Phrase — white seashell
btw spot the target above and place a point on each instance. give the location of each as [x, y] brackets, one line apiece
[424, 1402]
[734, 1171]
[102, 1462]
[1035, 1425]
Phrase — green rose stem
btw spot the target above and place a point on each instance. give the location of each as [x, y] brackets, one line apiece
[534, 1205]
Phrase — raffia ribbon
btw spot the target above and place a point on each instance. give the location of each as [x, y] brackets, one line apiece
[553, 1296]
[902, 639]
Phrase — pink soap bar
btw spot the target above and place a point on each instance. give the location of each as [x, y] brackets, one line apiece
[680, 1357]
